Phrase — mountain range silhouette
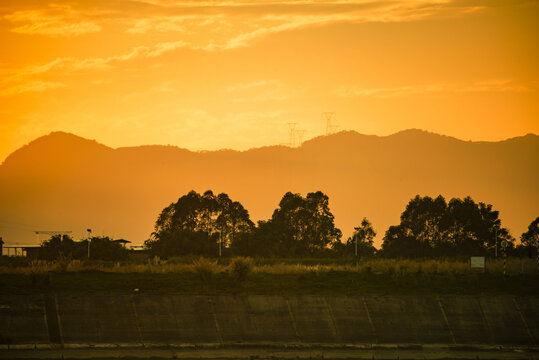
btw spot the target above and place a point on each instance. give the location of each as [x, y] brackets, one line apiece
[65, 182]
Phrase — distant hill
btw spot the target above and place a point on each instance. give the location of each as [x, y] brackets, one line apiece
[62, 181]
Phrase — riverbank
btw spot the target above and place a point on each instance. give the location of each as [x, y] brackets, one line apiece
[313, 282]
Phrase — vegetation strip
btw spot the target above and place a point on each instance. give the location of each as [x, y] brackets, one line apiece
[323, 283]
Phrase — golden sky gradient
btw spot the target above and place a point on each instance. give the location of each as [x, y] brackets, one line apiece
[232, 74]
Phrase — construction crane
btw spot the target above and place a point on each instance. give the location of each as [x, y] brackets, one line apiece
[38, 232]
[52, 233]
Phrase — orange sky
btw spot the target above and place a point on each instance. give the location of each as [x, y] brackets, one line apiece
[232, 74]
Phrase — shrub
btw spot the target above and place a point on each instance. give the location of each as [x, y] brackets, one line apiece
[205, 268]
[63, 261]
[241, 267]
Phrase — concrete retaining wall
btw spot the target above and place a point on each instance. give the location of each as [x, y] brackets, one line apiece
[193, 319]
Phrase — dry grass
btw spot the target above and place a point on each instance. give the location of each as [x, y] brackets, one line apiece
[206, 268]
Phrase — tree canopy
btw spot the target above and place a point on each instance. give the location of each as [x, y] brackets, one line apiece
[433, 227]
[196, 223]
[531, 237]
[101, 248]
[363, 236]
[529, 240]
[304, 227]
[300, 226]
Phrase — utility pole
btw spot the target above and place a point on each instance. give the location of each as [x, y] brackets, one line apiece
[537, 253]
[220, 242]
[355, 235]
[496, 239]
[89, 237]
[504, 248]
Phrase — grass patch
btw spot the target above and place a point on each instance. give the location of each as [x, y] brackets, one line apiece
[321, 283]
[253, 276]
[155, 265]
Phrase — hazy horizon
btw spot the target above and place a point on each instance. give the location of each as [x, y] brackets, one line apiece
[219, 74]
[62, 180]
[214, 75]
[261, 146]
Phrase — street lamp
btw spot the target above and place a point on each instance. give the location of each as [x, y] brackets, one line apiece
[504, 247]
[89, 236]
[496, 242]
[220, 242]
[355, 235]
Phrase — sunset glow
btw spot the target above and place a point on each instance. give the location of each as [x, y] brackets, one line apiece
[233, 74]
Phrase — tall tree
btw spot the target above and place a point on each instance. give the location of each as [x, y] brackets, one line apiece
[233, 218]
[300, 226]
[422, 219]
[363, 236]
[195, 223]
[531, 237]
[432, 227]
[473, 228]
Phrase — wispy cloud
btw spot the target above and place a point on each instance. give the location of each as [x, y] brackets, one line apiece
[225, 25]
[74, 64]
[15, 79]
[496, 85]
[30, 86]
[56, 20]
[209, 26]
[179, 23]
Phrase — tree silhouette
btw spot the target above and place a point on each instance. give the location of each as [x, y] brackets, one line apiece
[102, 248]
[195, 223]
[529, 240]
[233, 218]
[364, 237]
[299, 226]
[105, 248]
[432, 227]
[61, 246]
[531, 237]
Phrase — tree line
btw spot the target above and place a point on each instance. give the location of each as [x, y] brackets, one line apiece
[210, 225]
[200, 224]
[65, 248]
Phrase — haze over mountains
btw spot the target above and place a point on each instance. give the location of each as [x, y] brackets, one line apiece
[65, 182]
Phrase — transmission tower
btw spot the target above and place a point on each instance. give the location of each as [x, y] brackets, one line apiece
[296, 135]
[299, 136]
[292, 141]
[331, 127]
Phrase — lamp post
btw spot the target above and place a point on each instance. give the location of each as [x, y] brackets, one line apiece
[496, 240]
[220, 242]
[355, 236]
[89, 236]
[504, 247]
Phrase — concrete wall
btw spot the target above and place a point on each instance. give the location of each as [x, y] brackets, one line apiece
[227, 319]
